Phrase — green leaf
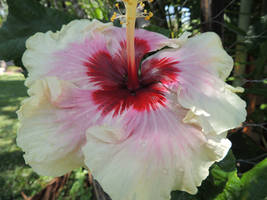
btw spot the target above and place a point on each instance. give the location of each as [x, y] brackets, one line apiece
[263, 106]
[232, 187]
[99, 13]
[223, 183]
[78, 189]
[25, 18]
[228, 164]
[254, 182]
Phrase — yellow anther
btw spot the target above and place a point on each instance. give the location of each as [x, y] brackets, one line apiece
[145, 11]
[141, 4]
[147, 18]
[121, 22]
[117, 5]
[113, 17]
[150, 14]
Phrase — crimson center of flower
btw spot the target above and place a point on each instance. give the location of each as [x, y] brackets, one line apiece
[110, 74]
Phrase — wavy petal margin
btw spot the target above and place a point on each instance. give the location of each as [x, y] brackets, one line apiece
[50, 148]
[160, 154]
[136, 154]
[203, 65]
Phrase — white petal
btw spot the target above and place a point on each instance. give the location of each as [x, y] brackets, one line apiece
[50, 148]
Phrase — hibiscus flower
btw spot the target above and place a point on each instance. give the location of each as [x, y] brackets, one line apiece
[145, 121]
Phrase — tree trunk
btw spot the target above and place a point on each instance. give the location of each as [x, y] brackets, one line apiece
[206, 15]
[212, 12]
[241, 52]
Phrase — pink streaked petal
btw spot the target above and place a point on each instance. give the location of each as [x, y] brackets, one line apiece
[70, 63]
[154, 40]
[204, 52]
[39, 56]
[200, 86]
[159, 154]
[145, 42]
[106, 77]
[161, 70]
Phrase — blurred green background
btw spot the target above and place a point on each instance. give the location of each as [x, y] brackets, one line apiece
[242, 25]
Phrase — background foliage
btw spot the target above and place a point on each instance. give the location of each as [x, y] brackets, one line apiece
[242, 25]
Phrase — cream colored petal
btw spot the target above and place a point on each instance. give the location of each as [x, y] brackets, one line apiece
[179, 42]
[207, 50]
[214, 107]
[160, 154]
[50, 148]
[203, 52]
[203, 65]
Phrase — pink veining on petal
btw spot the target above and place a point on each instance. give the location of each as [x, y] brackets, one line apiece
[69, 63]
[92, 66]
[153, 40]
[156, 142]
[160, 70]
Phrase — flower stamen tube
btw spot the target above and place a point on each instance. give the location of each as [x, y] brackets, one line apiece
[131, 6]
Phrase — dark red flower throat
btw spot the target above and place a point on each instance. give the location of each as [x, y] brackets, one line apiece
[110, 73]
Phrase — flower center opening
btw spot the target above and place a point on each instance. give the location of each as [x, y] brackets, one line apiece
[110, 75]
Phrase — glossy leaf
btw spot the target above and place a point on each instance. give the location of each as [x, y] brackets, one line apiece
[254, 182]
